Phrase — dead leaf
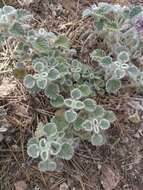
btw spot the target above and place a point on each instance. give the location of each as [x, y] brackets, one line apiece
[109, 177]
[135, 118]
[20, 185]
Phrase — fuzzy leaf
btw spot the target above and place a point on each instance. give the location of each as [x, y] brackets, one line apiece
[110, 116]
[68, 102]
[106, 61]
[29, 81]
[60, 122]
[86, 13]
[53, 74]
[85, 90]
[113, 85]
[87, 125]
[104, 124]
[38, 66]
[70, 116]
[43, 143]
[44, 154]
[135, 10]
[76, 76]
[99, 112]
[33, 140]
[52, 91]
[41, 83]
[78, 105]
[41, 45]
[55, 148]
[66, 152]
[119, 73]
[33, 150]
[76, 93]
[97, 140]
[90, 105]
[8, 10]
[58, 102]
[50, 129]
[23, 15]
[48, 165]
[78, 123]
[123, 56]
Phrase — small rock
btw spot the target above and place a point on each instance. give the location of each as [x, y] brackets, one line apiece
[20, 185]
[109, 177]
[135, 118]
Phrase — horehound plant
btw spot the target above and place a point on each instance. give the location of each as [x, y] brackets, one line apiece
[121, 30]
[69, 86]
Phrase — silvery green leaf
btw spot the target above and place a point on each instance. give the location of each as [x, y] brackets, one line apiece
[55, 148]
[113, 85]
[52, 91]
[85, 90]
[123, 56]
[78, 123]
[97, 140]
[33, 150]
[41, 83]
[8, 10]
[68, 102]
[90, 105]
[43, 144]
[67, 151]
[76, 93]
[4, 19]
[58, 102]
[77, 104]
[53, 74]
[60, 122]
[38, 66]
[96, 129]
[106, 61]
[50, 129]
[62, 41]
[70, 116]
[76, 76]
[33, 140]
[86, 13]
[48, 165]
[29, 81]
[133, 72]
[99, 112]
[87, 125]
[44, 154]
[41, 45]
[119, 73]
[110, 116]
[17, 30]
[104, 124]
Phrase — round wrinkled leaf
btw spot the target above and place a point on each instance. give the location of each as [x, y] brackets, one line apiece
[33, 140]
[133, 72]
[113, 85]
[99, 111]
[52, 90]
[9, 10]
[58, 102]
[41, 83]
[44, 154]
[53, 74]
[68, 102]
[48, 165]
[123, 56]
[43, 143]
[77, 104]
[50, 129]
[87, 125]
[55, 148]
[104, 124]
[85, 90]
[76, 76]
[90, 105]
[119, 73]
[29, 81]
[38, 66]
[67, 151]
[110, 116]
[17, 30]
[70, 116]
[106, 61]
[78, 123]
[76, 93]
[96, 129]
[33, 150]
[60, 122]
[97, 140]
